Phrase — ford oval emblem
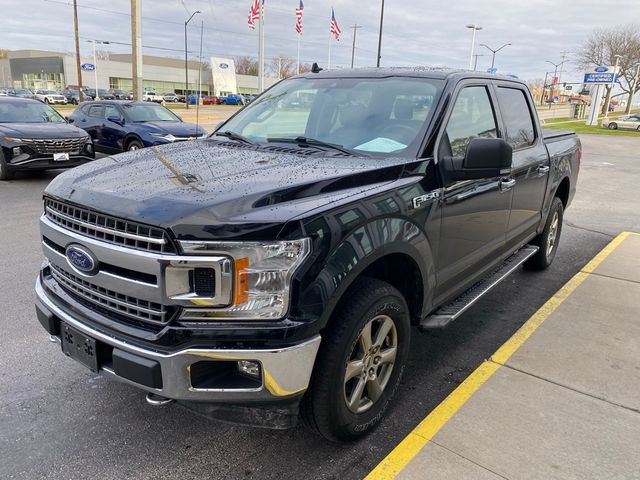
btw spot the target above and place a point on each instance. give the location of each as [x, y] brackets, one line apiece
[224, 65]
[81, 260]
[601, 69]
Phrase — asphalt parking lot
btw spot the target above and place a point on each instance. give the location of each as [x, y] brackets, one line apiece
[58, 420]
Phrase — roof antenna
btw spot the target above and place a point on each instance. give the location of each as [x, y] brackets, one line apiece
[315, 68]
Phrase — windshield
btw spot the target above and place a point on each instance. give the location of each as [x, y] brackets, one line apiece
[149, 113]
[28, 112]
[371, 115]
[49, 92]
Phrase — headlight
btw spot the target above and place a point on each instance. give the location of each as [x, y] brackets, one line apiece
[262, 277]
[166, 136]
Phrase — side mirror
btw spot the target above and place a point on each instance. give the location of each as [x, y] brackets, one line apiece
[116, 119]
[68, 119]
[484, 158]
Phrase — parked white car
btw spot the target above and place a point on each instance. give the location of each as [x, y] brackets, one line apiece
[628, 122]
[50, 96]
[152, 97]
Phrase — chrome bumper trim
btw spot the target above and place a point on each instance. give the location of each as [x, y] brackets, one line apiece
[286, 371]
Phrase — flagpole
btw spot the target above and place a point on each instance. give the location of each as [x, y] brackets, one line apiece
[329, 59]
[298, 67]
[261, 49]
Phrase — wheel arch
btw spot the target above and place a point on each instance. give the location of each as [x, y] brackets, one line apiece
[562, 191]
[403, 259]
[129, 137]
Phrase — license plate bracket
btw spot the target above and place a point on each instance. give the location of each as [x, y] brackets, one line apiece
[79, 346]
[60, 157]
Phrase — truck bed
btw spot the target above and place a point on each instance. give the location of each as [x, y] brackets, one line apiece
[552, 134]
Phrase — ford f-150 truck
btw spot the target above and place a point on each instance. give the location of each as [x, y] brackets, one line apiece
[276, 268]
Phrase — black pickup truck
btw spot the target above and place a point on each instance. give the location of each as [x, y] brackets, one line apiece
[277, 267]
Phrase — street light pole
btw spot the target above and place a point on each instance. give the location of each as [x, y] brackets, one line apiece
[493, 58]
[474, 27]
[554, 79]
[186, 61]
[380, 35]
[475, 60]
[353, 47]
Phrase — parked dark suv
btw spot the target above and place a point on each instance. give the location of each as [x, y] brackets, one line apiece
[33, 136]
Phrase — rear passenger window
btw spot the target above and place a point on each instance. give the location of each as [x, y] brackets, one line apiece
[472, 117]
[95, 111]
[519, 130]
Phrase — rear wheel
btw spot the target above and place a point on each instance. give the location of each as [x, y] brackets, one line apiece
[548, 239]
[360, 363]
[613, 126]
[5, 173]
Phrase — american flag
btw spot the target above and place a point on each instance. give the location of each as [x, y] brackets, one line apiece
[299, 12]
[254, 14]
[335, 28]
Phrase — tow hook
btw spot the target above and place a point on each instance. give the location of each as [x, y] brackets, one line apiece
[157, 400]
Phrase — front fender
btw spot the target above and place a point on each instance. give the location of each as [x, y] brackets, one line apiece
[358, 250]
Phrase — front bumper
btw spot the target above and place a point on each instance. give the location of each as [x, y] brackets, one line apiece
[284, 372]
[44, 161]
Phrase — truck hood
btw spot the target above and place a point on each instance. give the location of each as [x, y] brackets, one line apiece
[212, 190]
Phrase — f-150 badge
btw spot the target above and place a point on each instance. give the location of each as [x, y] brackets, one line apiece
[418, 201]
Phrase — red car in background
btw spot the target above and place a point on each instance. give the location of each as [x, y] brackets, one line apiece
[211, 101]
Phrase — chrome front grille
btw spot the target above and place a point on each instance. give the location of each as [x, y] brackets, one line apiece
[130, 307]
[56, 145]
[108, 228]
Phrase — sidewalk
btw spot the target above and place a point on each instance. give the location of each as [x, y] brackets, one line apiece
[559, 400]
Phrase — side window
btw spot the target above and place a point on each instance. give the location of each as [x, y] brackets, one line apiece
[518, 125]
[472, 117]
[95, 111]
[111, 111]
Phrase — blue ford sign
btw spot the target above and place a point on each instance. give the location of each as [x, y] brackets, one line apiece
[81, 260]
[605, 77]
[224, 65]
[601, 69]
[88, 67]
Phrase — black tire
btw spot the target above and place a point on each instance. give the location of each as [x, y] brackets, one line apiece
[5, 172]
[613, 126]
[46, 100]
[548, 239]
[134, 145]
[324, 408]
[74, 102]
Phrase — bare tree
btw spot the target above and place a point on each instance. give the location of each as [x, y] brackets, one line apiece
[601, 48]
[246, 66]
[283, 66]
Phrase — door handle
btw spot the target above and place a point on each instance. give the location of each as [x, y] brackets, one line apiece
[507, 184]
[543, 170]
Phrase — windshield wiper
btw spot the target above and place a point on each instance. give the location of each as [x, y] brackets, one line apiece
[312, 142]
[235, 136]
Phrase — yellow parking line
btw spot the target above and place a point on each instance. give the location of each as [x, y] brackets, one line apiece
[409, 447]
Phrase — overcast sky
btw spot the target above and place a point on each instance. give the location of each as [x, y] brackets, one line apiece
[416, 32]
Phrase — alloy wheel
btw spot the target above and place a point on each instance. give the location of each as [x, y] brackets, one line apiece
[369, 367]
[553, 233]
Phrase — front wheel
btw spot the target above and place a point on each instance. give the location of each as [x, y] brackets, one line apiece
[134, 145]
[360, 363]
[46, 100]
[613, 126]
[548, 239]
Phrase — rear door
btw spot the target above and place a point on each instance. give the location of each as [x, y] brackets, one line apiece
[474, 212]
[530, 167]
